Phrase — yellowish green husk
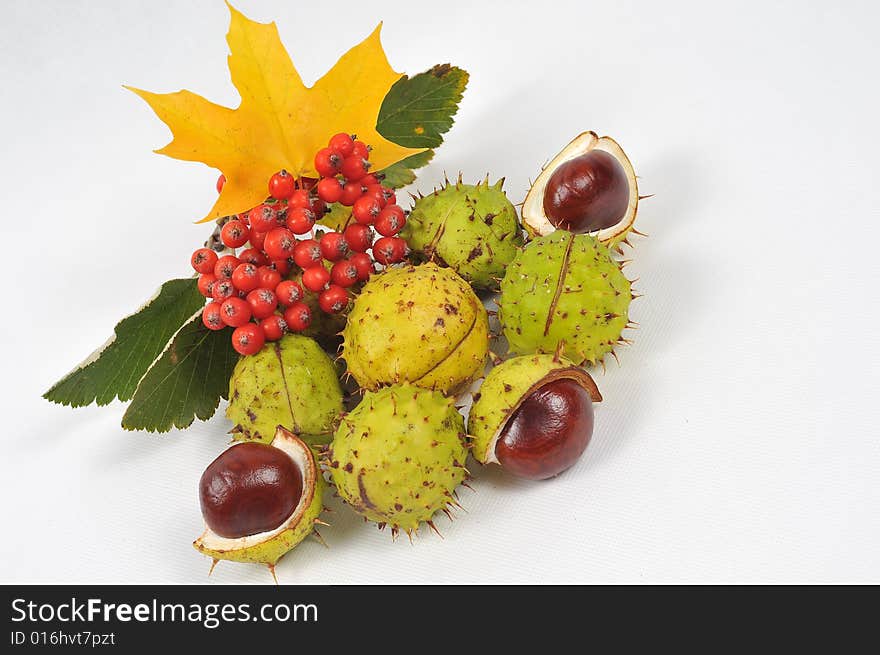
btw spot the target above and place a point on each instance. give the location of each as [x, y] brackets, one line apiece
[292, 383]
[268, 547]
[419, 324]
[564, 293]
[399, 455]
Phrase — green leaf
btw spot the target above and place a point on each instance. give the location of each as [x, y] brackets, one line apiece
[338, 216]
[417, 112]
[400, 174]
[187, 382]
[114, 370]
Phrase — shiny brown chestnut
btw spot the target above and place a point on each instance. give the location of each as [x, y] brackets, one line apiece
[250, 488]
[587, 194]
[548, 432]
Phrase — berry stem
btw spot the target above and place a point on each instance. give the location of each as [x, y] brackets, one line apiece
[347, 221]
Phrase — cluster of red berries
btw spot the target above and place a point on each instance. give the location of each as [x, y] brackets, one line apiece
[343, 166]
[251, 290]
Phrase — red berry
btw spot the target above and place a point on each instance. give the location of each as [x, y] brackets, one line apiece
[262, 302]
[279, 243]
[369, 180]
[281, 185]
[384, 195]
[359, 237]
[298, 317]
[253, 256]
[263, 218]
[300, 220]
[307, 253]
[235, 311]
[211, 316]
[225, 265]
[389, 250]
[222, 289]
[365, 210]
[351, 191]
[375, 192]
[289, 292]
[299, 198]
[354, 168]
[257, 238]
[342, 143]
[248, 339]
[360, 149]
[234, 234]
[363, 264]
[269, 277]
[221, 182]
[329, 189]
[344, 274]
[315, 278]
[273, 327]
[334, 246]
[333, 299]
[206, 284]
[244, 277]
[328, 162]
[203, 260]
[390, 221]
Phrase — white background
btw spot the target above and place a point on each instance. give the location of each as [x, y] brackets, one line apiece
[739, 439]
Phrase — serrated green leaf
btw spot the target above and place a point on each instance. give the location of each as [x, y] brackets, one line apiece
[187, 381]
[417, 112]
[114, 370]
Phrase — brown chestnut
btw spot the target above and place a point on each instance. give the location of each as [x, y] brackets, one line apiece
[548, 432]
[250, 488]
[587, 193]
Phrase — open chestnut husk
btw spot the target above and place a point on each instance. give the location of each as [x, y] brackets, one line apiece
[533, 416]
[260, 500]
[589, 187]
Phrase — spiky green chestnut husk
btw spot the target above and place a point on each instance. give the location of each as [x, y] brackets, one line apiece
[268, 547]
[291, 382]
[504, 390]
[472, 228]
[564, 291]
[420, 324]
[399, 455]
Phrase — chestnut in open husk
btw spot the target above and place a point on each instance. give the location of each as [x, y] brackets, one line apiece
[260, 500]
[533, 416]
[251, 487]
[587, 194]
[589, 187]
[548, 432]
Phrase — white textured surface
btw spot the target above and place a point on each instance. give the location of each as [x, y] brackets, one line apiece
[739, 438]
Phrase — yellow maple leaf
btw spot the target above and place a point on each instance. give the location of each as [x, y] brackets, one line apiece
[281, 122]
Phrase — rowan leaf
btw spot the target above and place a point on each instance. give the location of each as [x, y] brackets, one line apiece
[417, 112]
[186, 382]
[280, 123]
[114, 370]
